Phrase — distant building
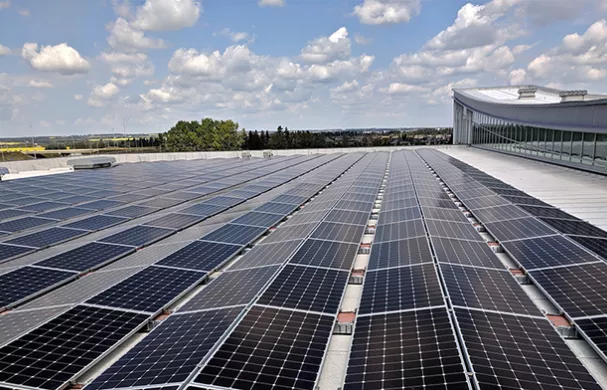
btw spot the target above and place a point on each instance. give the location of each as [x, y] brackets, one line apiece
[564, 127]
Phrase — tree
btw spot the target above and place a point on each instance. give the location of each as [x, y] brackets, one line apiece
[208, 134]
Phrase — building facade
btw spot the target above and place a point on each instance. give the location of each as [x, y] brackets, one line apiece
[563, 127]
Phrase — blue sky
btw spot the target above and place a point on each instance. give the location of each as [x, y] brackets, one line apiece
[81, 67]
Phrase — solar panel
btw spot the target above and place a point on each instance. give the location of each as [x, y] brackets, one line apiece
[24, 201]
[104, 193]
[597, 245]
[465, 253]
[423, 354]
[398, 253]
[338, 232]
[235, 234]
[548, 212]
[253, 218]
[171, 352]
[289, 233]
[595, 331]
[86, 257]
[99, 205]
[400, 230]
[457, 230]
[443, 214]
[132, 211]
[510, 351]
[128, 198]
[271, 349]
[149, 290]
[328, 254]
[47, 237]
[23, 282]
[438, 203]
[499, 213]
[24, 223]
[175, 221]
[579, 290]
[578, 228]
[44, 206]
[399, 215]
[183, 195]
[526, 200]
[475, 193]
[359, 197]
[486, 201]
[517, 229]
[346, 216]
[225, 201]
[138, 236]
[291, 199]
[66, 213]
[510, 191]
[15, 323]
[354, 206]
[231, 289]
[77, 199]
[11, 213]
[267, 254]
[49, 356]
[400, 288]
[161, 203]
[306, 288]
[201, 256]
[549, 251]
[204, 210]
[301, 217]
[96, 222]
[7, 252]
[277, 208]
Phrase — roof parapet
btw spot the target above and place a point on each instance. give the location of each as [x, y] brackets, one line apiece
[573, 95]
[527, 92]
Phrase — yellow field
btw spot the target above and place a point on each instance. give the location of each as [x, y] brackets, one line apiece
[109, 139]
[22, 149]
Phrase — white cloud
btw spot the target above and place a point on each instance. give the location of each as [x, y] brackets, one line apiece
[337, 46]
[127, 66]
[4, 51]
[271, 3]
[387, 11]
[5, 4]
[102, 93]
[517, 76]
[594, 35]
[234, 36]
[362, 40]
[40, 84]
[78, 97]
[129, 58]
[60, 58]
[124, 37]
[164, 15]
[23, 12]
[400, 88]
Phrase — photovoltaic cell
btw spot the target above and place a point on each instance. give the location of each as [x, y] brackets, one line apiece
[235, 234]
[99, 205]
[96, 222]
[288, 233]
[465, 253]
[24, 223]
[548, 212]
[52, 354]
[170, 353]
[203, 210]
[400, 288]
[351, 205]
[485, 201]
[12, 213]
[423, 354]
[597, 245]
[499, 213]
[549, 251]
[149, 290]
[138, 236]
[443, 214]
[510, 351]
[579, 290]
[86, 257]
[338, 232]
[398, 253]
[517, 229]
[438, 203]
[527, 200]
[9, 251]
[175, 221]
[277, 208]
[306, 288]
[201, 255]
[161, 203]
[23, 282]
[44, 206]
[253, 218]
[456, 230]
[231, 289]
[399, 231]
[267, 254]
[271, 349]
[400, 215]
[225, 201]
[346, 216]
[66, 213]
[47, 237]
[132, 211]
[328, 254]
[578, 228]
[595, 331]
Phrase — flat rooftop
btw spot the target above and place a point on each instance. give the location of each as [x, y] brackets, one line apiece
[510, 95]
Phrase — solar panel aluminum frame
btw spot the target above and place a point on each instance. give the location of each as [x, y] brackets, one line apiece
[594, 346]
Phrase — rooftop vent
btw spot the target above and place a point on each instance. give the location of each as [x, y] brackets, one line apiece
[91, 162]
[573, 95]
[527, 92]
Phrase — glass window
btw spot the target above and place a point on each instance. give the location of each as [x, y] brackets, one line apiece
[566, 146]
[588, 149]
[541, 142]
[576, 146]
[600, 154]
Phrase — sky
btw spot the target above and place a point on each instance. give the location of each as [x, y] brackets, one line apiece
[102, 66]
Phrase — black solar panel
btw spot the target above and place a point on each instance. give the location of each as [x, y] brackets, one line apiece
[288, 233]
[277, 208]
[201, 256]
[77, 199]
[520, 200]
[579, 290]
[267, 254]
[354, 206]
[578, 228]
[510, 351]
[338, 232]
[486, 201]
[517, 229]
[328, 254]
[291, 199]
[549, 212]
[399, 215]
[12, 213]
[597, 245]
[44, 206]
[24, 223]
[149, 290]
[486, 289]
[499, 213]
[49, 356]
[465, 252]
[253, 218]
[203, 210]
[9, 251]
[406, 350]
[23, 282]
[99, 205]
[66, 213]
[398, 253]
[47, 237]
[170, 353]
[231, 289]
[24, 201]
[138, 236]
[175, 221]
[306, 288]
[87, 257]
[595, 331]
[132, 211]
[346, 216]
[183, 195]
[548, 251]
[438, 203]
[235, 234]
[271, 349]
[457, 230]
[400, 288]
[443, 214]
[97, 222]
[399, 231]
